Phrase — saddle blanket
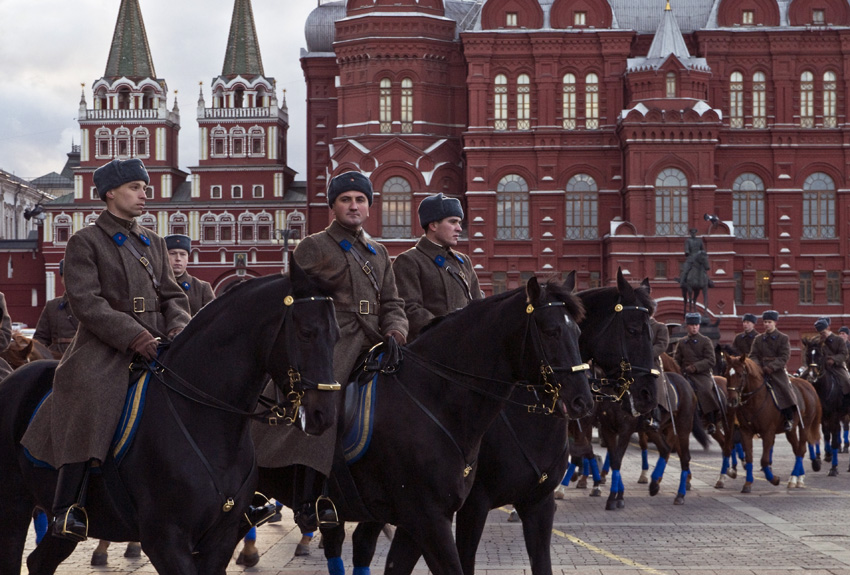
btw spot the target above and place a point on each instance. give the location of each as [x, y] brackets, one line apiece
[358, 418]
[127, 425]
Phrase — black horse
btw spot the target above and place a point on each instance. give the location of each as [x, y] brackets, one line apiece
[831, 399]
[183, 485]
[431, 416]
[524, 455]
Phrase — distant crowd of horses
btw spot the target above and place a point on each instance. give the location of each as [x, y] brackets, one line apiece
[492, 405]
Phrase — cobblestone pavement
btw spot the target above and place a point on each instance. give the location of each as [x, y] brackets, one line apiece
[772, 531]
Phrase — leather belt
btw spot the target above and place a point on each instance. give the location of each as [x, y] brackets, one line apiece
[135, 305]
[364, 307]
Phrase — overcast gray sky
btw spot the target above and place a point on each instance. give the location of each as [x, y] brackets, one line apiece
[49, 47]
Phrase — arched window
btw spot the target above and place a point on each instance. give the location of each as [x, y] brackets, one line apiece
[238, 143]
[396, 208]
[148, 221]
[569, 102]
[759, 100]
[256, 142]
[523, 103]
[264, 227]
[218, 139]
[178, 224]
[225, 228]
[512, 208]
[103, 143]
[671, 84]
[591, 102]
[582, 206]
[807, 100]
[385, 106]
[148, 99]
[239, 97]
[247, 228]
[124, 98]
[500, 102]
[830, 119]
[61, 229]
[748, 206]
[141, 139]
[736, 100]
[209, 228]
[819, 206]
[407, 106]
[122, 142]
[671, 203]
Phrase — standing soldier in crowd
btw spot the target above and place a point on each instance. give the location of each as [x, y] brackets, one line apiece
[695, 354]
[743, 342]
[57, 325]
[834, 350]
[123, 293]
[200, 293]
[432, 278]
[771, 351]
[844, 333]
[355, 270]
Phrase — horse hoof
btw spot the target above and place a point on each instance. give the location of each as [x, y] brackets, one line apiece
[595, 492]
[732, 473]
[816, 464]
[720, 484]
[513, 517]
[680, 500]
[133, 551]
[302, 550]
[581, 483]
[603, 480]
[610, 505]
[99, 559]
[643, 478]
[248, 560]
[748, 488]
[621, 504]
[833, 472]
[775, 480]
[654, 488]
[559, 492]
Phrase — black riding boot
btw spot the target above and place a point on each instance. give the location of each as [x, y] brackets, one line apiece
[257, 515]
[788, 416]
[70, 519]
[711, 419]
[653, 417]
[312, 507]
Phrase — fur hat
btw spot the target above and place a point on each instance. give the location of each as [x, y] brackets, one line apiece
[771, 314]
[437, 207]
[822, 324]
[750, 317]
[349, 182]
[178, 242]
[117, 173]
[693, 319]
[844, 329]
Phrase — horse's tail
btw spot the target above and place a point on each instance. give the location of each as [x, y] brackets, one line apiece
[699, 433]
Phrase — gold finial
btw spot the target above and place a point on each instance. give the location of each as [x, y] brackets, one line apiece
[668, 6]
[82, 84]
[201, 83]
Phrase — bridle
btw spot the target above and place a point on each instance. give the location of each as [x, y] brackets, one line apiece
[616, 382]
[741, 391]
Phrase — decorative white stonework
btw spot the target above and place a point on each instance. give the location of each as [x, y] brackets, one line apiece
[547, 219]
[478, 235]
[479, 267]
[478, 251]
[547, 267]
[548, 235]
[784, 235]
[547, 250]
[478, 220]
[720, 272]
[785, 218]
[784, 251]
[784, 266]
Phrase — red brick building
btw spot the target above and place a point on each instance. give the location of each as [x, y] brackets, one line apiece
[592, 134]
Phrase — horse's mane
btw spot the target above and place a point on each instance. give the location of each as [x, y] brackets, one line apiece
[642, 295]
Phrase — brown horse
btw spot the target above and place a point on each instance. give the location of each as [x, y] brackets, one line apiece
[23, 350]
[757, 414]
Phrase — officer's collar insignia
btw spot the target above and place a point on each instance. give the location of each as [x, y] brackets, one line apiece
[62, 304]
[439, 260]
[119, 238]
[145, 239]
[345, 245]
[185, 285]
[371, 249]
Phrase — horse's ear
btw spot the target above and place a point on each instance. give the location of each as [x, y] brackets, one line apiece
[623, 285]
[570, 282]
[645, 285]
[532, 290]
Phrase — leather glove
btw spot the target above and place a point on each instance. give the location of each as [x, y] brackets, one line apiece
[145, 345]
[397, 336]
[691, 369]
[830, 362]
[173, 333]
[767, 369]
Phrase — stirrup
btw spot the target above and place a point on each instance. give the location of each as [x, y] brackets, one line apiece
[327, 516]
[66, 533]
[256, 516]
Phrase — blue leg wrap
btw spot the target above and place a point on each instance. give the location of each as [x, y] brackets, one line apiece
[725, 467]
[620, 487]
[571, 469]
[594, 469]
[585, 466]
[740, 449]
[812, 451]
[835, 457]
[847, 436]
[615, 481]
[683, 482]
[336, 566]
[771, 456]
[251, 535]
[768, 473]
[799, 470]
[644, 459]
[658, 472]
[749, 468]
[40, 524]
[606, 465]
[362, 571]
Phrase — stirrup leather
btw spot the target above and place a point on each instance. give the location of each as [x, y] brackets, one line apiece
[71, 534]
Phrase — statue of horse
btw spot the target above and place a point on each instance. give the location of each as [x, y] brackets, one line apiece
[757, 413]
[831, 399]
[694, 279]
[431, 416]
[192, 440]
[23, 350]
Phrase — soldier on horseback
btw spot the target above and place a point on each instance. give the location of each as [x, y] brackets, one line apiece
[834, 350]
[57, 325]
[432, 278]
[695, 353]
[124, 295]
[660, 341]
[771, 352]
[743, 342]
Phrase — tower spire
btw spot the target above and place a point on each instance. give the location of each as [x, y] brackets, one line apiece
[243, 49]
[130, 54]
[668, 38]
